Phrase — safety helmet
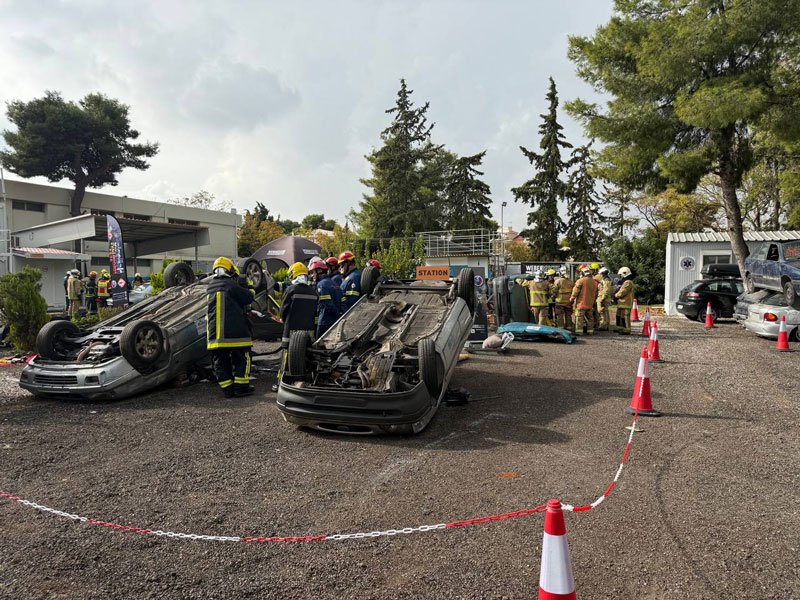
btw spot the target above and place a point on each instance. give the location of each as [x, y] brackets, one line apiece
[624, 272]
[586, 270]
[563, 271]
[105, 273]
[318, 264]
[346, 256]
[297, 269]
[332, 262]
[594, 266]
[137, 275]
[551, 271]
[75, 272]
[538, 275]
[314, 259]
[92, 274]
[603, 270]
[223, 262]
[374, 262]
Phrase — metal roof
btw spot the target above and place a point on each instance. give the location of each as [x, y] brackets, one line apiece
[56, 253]
[749, 236]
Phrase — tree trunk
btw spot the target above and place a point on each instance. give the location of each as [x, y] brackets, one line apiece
[734, 214]
[77, 199]
[776, 195]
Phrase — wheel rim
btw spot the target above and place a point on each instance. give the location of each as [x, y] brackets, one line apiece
[254, 274]
[147, 343]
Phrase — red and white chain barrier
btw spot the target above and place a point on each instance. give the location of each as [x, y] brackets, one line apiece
[325, 537]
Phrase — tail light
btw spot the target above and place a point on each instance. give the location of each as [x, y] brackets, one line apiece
[692, 295]
[771, 317]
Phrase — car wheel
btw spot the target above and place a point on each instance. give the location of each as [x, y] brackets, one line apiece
[296, 361]
[369, 279]
[142, 343]
[792, 299]
[466, 287]
[749, 283]
[250, 268]
[794, 335]
[428, 369]
[701, 315]
[52, 340]
[178, 273]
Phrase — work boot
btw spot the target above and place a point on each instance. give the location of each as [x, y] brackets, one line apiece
[227, 392]
[241, 389]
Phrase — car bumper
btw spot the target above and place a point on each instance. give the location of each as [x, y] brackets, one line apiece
[112, 379]
[765, 329]
[689, 309]
[354, 412]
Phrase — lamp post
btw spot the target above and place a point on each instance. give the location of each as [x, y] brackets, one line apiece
[502, 239]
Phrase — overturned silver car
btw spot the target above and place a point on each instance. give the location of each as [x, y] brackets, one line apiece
[385, 365]
[144, 346]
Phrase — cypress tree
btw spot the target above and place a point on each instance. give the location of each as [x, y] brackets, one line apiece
[544, 191]
[583, 232]
[466, 200]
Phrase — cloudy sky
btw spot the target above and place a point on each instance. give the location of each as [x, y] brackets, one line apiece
[278, 102]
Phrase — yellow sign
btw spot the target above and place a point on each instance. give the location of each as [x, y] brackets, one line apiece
[438, 273]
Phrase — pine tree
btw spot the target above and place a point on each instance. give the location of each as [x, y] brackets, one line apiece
[547, 188]
[583, 227]
[402, 189]
[618, 200]
[466, 199]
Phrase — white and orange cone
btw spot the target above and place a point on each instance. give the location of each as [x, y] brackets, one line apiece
[641, 402]
[646, 323]
[555, 579]
[653, 354]
[709, 317]
[635, 312]
[783, 338]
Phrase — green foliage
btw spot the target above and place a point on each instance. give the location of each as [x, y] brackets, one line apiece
[467, 196]
[400, 258]
[520, 253]
[166, 261]
[22, 306]
[258, 228]
[645, 256]
[317, 222]
[546, 189]
[157, 281]
[583, 228]
[281, 275]
[89, 142]
[86, 321]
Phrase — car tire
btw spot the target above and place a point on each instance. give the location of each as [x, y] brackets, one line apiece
[251, 269]
[428, 369]
[792, 299]
[369, 279]
[50, 339]
[794, 335]
[178, 273]
[466, 287]
[701, 315]
[749, 283]
[142, 343]
[296, 361]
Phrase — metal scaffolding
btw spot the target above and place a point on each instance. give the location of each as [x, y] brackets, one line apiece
[460, 242]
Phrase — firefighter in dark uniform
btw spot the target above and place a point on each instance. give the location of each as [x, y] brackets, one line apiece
[228, 331]
[91, 293]
[333, 267]
[329, 308]
[298, 309]
[351, 284]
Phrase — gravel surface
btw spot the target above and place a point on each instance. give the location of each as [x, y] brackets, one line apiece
[706, 507]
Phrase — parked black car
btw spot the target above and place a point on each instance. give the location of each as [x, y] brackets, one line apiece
[722, 294]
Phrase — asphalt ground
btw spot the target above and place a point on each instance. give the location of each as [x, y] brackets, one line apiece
[707, 506]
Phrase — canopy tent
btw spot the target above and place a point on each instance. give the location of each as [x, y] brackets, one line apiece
[289, 249]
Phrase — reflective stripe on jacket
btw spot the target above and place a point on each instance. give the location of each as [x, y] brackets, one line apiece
[539, 291]
[351, 289]
[604, 290]
[226, 323]
[74, 288]
[585, 293]
[299, 308]
[330, 303]
[562, 291]
[625, 294]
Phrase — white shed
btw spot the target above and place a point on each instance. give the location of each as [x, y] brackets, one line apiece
[687, 253]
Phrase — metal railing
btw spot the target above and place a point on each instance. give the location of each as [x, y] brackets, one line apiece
[461, 242]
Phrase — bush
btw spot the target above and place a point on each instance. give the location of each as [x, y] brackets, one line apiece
[646, 257]
[103, 313]
[281, 275]
[87, 321]
[22, 306]
[157, 281]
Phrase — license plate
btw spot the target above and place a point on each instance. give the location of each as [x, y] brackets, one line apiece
[680, 305]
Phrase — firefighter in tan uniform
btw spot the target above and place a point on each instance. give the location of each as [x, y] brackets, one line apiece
[561, 293]
[539, 291]
[584, 294]
[624, 297]
[604, 292]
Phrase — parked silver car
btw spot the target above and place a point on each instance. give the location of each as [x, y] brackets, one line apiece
[764, 317]
[140, 348]
[384, 366]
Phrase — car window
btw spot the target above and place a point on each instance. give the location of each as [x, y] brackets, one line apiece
[739, 287]
[775, 300]
[714, 286]
[761, 253]
[696, 286]
[772, 252]
[791, 251]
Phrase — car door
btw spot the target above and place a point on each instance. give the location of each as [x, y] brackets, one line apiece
[772, 268]
[727, 293]
[755, 264]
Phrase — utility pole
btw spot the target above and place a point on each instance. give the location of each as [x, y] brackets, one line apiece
[502, 240]
[5, 232]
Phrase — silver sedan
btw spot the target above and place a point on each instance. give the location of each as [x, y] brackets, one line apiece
[764, 317]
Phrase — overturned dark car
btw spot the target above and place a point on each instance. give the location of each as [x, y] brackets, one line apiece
[142, 347]
[385, 365]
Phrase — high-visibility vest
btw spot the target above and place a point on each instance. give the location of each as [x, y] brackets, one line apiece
[102, 289]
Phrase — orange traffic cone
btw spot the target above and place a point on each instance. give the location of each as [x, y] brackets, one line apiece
[641, 402]
[646, 323]
[555, 578]
[635, 312]
[783, 338]
[709, 317]
[653, 355]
